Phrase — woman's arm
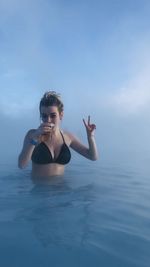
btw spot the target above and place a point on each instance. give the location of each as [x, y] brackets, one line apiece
[88, 152]
[27, 150]
[31, 138]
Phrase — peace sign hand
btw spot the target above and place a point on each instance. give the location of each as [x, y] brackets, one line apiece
[89, 127]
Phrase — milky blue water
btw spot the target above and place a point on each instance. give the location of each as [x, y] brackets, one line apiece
[97, 214]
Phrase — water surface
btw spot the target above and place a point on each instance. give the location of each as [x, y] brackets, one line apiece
[97, 214]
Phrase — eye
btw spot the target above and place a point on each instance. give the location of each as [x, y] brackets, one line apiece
[53, 116]
[44, 116]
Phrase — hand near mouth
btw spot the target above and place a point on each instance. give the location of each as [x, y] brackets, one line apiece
[51, 125]
[48, 128]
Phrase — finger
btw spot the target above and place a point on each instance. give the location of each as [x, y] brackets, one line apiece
[89, 120]
[84, 123]
[93, 126]
[47, 129]
[44, 124]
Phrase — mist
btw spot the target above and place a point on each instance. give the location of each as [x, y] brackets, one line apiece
[96, 55]
[118, 139]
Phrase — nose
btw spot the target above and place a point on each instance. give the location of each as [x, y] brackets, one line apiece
[48, 118]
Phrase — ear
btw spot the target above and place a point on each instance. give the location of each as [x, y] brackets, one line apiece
[61, 115]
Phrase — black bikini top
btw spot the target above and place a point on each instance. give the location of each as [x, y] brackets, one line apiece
[42, 155]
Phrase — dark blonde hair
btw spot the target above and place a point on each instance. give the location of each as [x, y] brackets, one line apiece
[51, 98]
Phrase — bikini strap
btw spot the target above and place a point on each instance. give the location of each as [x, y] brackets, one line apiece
[62, 137]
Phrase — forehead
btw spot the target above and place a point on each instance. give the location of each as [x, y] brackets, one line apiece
[49, 109]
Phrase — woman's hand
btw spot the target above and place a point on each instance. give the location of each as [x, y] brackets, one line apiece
[44, 129]
[89, 127]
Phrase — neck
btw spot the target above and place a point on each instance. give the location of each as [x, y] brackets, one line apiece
[55, 132]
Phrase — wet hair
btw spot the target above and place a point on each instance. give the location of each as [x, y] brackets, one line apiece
[51, 98]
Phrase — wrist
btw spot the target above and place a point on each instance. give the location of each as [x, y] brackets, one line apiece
[91, 135]
[33, 142]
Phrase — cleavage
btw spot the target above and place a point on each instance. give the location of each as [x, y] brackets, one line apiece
[54, 152]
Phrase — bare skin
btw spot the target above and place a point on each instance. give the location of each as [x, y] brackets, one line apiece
[53, 139]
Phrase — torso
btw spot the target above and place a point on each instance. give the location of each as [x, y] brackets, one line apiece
[47, 170]
[56, 153]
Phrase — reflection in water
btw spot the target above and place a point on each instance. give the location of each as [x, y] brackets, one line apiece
[58, 213]
[102, 215]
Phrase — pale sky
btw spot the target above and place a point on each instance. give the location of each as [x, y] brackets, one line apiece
[96, 54]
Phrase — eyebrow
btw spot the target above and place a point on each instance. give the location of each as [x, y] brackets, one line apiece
[52, 113]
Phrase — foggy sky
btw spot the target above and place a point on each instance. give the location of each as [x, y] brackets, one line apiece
[94, 53]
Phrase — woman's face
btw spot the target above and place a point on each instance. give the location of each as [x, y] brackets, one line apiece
[51, 114]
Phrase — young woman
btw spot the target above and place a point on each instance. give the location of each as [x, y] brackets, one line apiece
[48, 146]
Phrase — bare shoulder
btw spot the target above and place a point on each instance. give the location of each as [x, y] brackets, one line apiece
[67, 134]
[75, 143]
[69, 137]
